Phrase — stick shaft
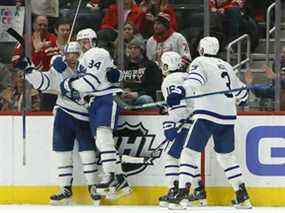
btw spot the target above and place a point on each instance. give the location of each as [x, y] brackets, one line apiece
[74, 21]
[161, 103]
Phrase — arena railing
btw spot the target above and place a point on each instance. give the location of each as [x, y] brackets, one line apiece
[230, 51]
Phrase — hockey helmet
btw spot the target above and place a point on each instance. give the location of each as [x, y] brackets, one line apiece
[209, 45]
[170, 61]
[87, 33]
[72, 47]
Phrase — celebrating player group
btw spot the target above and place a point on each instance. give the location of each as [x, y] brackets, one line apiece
[86, 81]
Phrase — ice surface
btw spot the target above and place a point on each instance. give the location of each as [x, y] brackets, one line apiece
[128, 209]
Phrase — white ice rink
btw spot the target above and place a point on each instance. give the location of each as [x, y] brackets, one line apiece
[127, 209]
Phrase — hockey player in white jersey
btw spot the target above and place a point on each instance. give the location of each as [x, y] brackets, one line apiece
[214, 116]
[100, 83]
[176, 129]
[87, 38]
[71, 122]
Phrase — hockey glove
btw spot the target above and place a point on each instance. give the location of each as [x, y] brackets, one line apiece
[25, 64]
[174, 98]
[114, 75]
[67, 90]
[170, 131]
[59, 65]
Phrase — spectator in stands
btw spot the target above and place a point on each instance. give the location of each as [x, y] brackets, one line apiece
[166, 39]
[42, 40]
[5, 74]
[229, 13]
[132, 13]
[142, 77]
[62, 30]
[11, 98]
[130, 32]
[150, 9]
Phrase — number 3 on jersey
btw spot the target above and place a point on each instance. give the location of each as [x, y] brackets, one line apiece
[93, 64]
[226, 76]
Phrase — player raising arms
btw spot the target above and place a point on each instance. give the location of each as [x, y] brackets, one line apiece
[213, 115]
[100, 84]
[179, 115]
[71, 122]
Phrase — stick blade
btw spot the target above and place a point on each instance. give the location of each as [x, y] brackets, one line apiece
[16, 36]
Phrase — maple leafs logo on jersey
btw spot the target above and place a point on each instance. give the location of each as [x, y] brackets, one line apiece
[135, 140]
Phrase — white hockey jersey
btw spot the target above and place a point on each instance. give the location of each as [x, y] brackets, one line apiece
[210, 74]
[184, 110]
[49, 82]
[94, 82]
[176, 42]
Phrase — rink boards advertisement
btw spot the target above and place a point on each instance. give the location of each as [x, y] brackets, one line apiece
[260, 149]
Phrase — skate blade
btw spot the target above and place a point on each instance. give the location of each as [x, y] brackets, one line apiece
[202, 202]
[64, 202]
[181, 206]
[163, 204]
[116, 195]
[105, 191]
[244, 205]
[175, 206]
[96, 202]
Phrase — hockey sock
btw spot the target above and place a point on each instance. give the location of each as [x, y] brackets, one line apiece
[188, 165]
[89, 163]
[197, 179]
[171, 170]
[64, 168]
[231, 168]
[106, 145]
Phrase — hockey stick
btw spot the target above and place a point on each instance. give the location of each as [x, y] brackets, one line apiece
[21, 40]
[163, 103]
[74, 21]
[155, 153]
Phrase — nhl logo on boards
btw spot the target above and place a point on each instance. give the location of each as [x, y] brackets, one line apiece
[135, 140]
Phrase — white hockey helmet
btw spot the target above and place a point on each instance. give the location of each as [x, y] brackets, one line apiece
[209, 45]
[72, 47]
[170, 61]
[87, 33]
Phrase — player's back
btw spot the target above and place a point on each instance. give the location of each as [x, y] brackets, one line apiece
[217, 75]
[97, 61]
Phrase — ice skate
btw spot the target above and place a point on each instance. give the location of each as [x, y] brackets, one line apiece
[199, 195]
[95, 197]
[164, 200]
[63, 197]
[122, 188]
[180, 200]
[107, 185]
[242, 199]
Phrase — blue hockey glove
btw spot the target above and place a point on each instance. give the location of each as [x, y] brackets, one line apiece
[67, 90]
[170, 131]
[114, 75]
[174, 98]
[59, 65]
[25, 64]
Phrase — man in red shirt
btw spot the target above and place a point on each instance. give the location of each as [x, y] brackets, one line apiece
[150, 9]
[42, 41]
[132, 13]
[230, 12]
